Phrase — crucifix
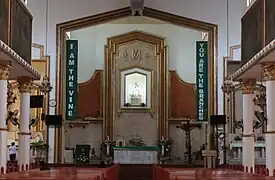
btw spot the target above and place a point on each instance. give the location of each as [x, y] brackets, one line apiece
[187, 126]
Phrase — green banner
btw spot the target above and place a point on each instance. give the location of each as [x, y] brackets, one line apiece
[202, 80]
[71, 79]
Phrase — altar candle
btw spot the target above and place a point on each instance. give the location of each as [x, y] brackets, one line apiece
[108, 150]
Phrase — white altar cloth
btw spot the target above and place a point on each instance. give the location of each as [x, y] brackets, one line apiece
[136, 155]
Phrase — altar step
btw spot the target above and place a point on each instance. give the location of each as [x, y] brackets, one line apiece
[135, 172]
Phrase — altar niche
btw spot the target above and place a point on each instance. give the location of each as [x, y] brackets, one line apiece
[136, 88]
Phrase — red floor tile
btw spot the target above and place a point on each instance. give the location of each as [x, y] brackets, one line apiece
[213, 174]
[69, 173]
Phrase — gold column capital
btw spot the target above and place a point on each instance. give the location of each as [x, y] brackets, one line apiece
[25, 84]
[5, 72]
[269, 71]
[248, 86]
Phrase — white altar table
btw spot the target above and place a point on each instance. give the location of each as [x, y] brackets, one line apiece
[136, 155]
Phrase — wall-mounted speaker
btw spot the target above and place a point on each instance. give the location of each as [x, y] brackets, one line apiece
[53, 120]
[36, 101]
[217, 119]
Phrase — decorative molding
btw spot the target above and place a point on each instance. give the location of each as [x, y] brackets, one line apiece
[248, 86]
[5, 72]
[25, 85]
[13, 55]
[254, 60]
[269, 71]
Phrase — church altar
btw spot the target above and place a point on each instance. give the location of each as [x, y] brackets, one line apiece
[136, 154]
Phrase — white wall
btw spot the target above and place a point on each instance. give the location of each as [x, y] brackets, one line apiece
[213, 11]
[181, 43]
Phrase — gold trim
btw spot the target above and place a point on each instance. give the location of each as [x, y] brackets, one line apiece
[124, 12]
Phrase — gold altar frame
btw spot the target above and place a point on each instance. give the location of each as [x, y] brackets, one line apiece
[111, 50]
[64, 27]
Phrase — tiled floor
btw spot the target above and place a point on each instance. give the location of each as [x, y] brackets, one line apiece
[74, 173]
[215, 174]
[70, 173]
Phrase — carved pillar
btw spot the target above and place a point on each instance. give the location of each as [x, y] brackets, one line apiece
[269, 76]
[248, 87]
[25, 87]
[4, 75]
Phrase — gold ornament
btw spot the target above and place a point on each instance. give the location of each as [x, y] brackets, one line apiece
[269, 72]
[25, 85]
[5, 72]
[248, 86]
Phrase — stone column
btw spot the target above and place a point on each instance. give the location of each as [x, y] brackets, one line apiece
[248, 117]
[269, 75]
[25, 87]
[4, 75]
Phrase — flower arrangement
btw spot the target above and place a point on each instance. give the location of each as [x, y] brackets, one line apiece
[82, 158]
[38, 141]
[137, 141]
[38, 144]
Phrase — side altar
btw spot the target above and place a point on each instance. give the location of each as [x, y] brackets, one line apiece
[136, 154]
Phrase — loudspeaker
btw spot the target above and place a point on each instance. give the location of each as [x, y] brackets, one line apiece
[36, 101]
[217, 119]
[53, 120]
